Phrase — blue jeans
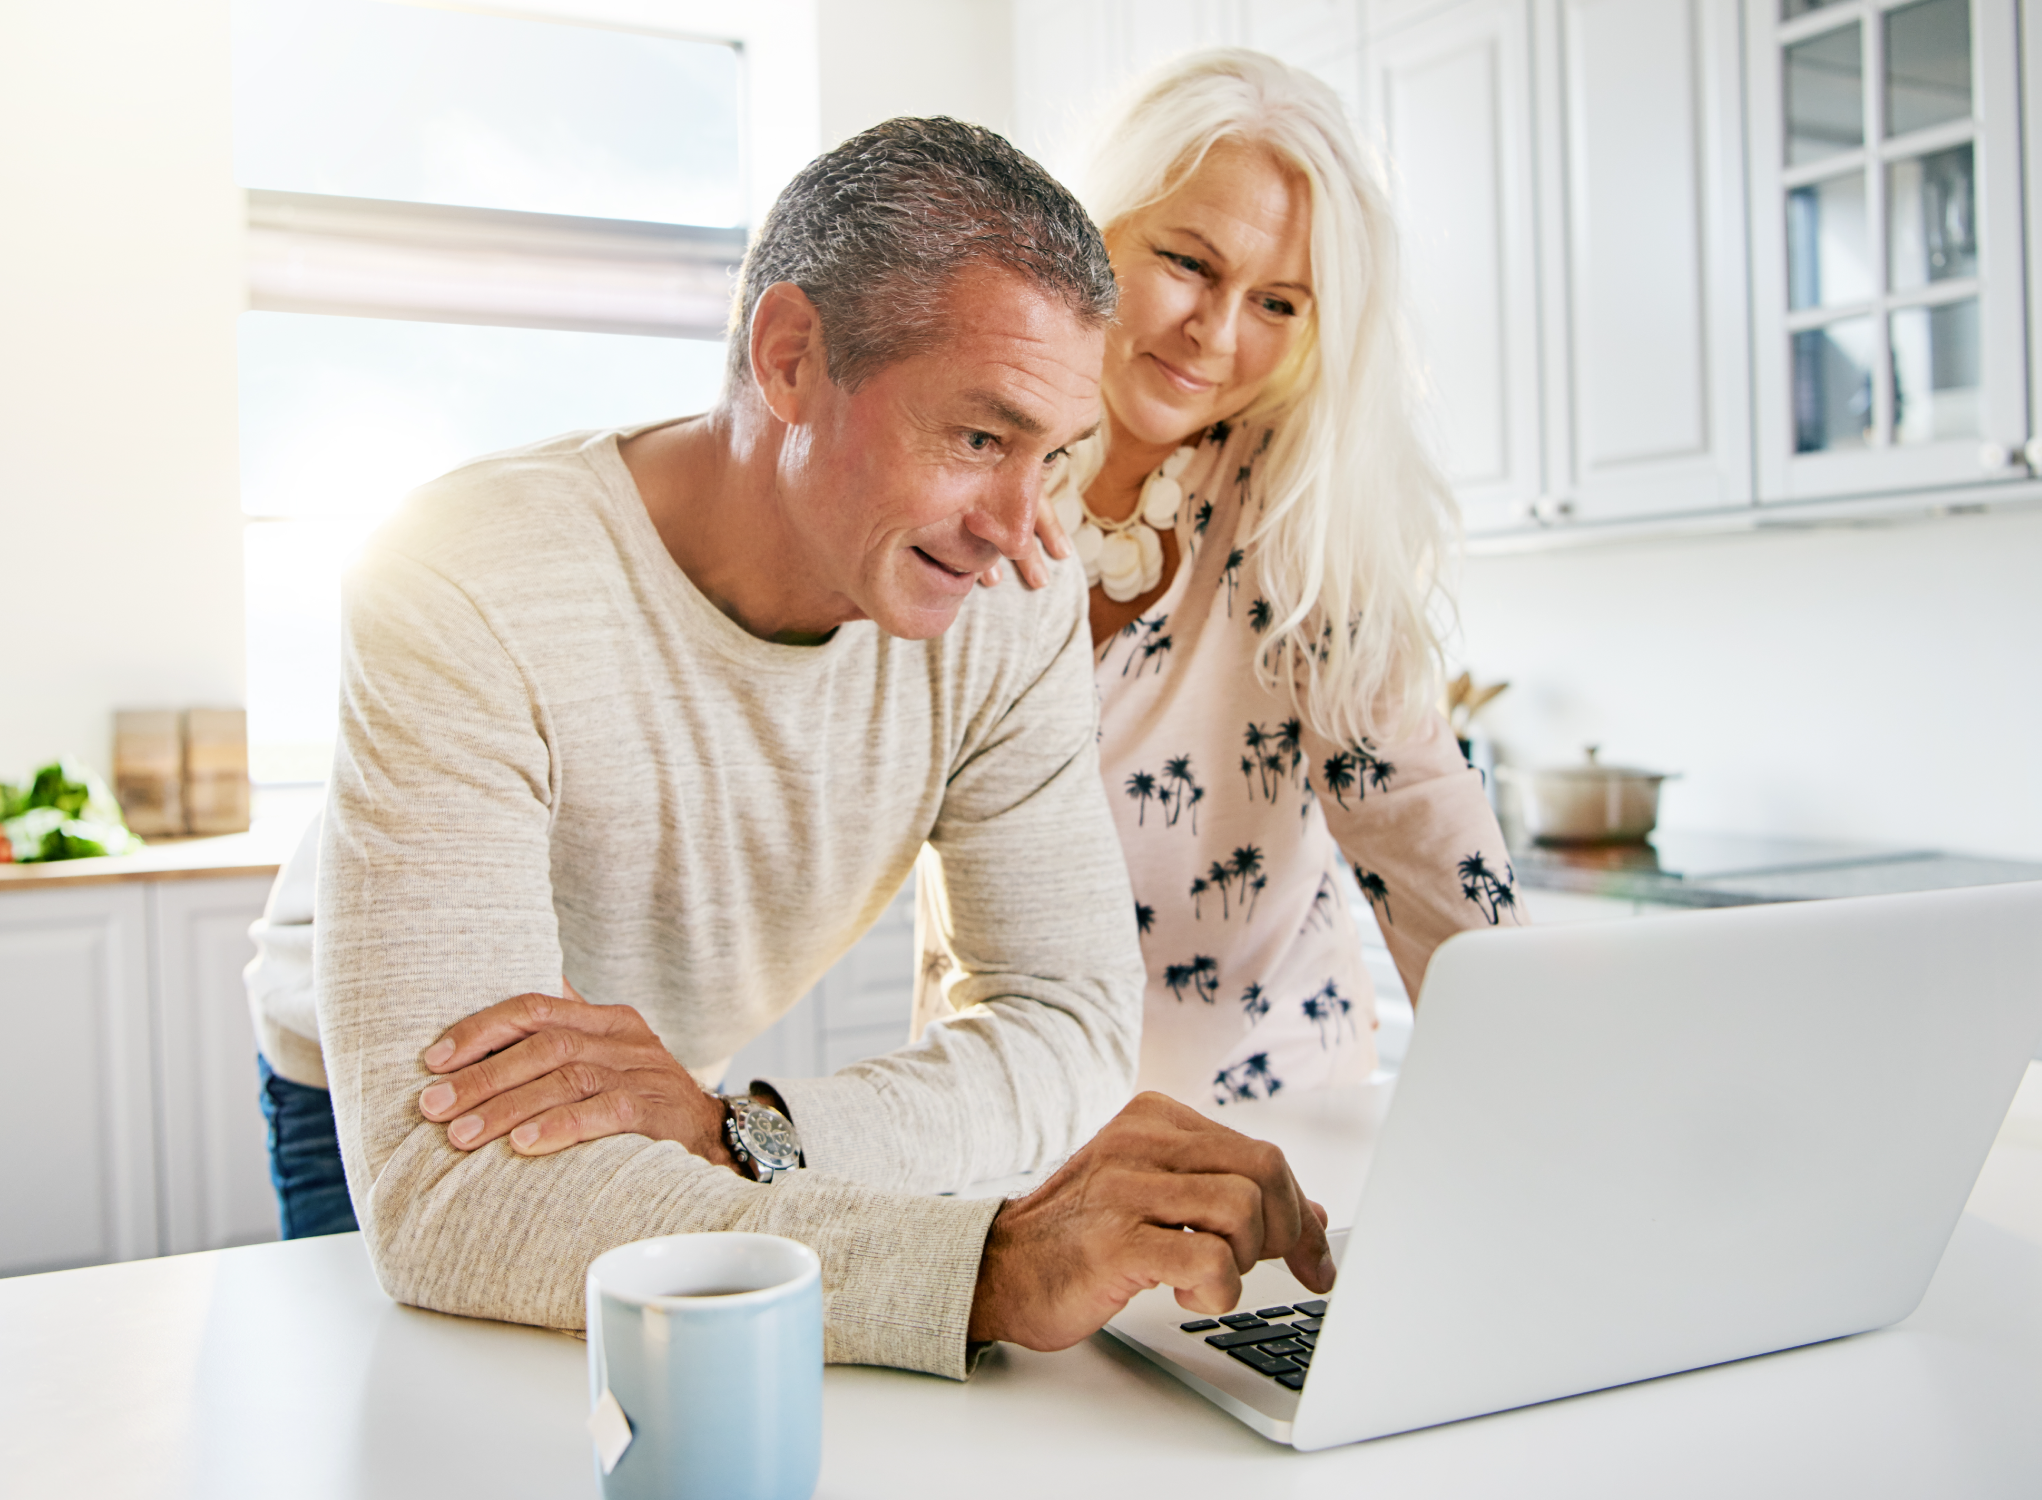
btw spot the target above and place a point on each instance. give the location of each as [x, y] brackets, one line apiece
[304, 1158]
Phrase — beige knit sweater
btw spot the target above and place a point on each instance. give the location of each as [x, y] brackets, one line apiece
[557, 758]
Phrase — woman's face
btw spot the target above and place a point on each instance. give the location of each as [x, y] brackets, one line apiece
[1215, 289]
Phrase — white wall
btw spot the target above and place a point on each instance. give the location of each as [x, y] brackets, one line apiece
[1071, 57]
[120, 278]
[881, 58]
[1878, 684]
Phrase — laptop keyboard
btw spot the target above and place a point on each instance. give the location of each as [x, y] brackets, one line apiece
[1277, 1341]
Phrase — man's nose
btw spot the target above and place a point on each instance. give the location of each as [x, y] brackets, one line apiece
[1005, 514]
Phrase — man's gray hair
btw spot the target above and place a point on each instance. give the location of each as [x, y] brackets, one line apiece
[875, 230]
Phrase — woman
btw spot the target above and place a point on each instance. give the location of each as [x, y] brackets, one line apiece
[1262, 529]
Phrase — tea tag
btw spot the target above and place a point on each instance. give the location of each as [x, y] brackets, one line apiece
[611, 1429]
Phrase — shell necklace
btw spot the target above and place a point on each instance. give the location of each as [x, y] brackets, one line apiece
[1126, 557]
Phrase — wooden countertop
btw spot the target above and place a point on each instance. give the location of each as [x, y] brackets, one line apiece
[258, 852]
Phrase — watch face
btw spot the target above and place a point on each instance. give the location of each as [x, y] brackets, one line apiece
[769, 1137]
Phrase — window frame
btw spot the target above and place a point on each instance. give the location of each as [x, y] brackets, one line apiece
[436, 263]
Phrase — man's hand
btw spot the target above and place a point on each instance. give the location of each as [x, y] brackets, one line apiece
[1161, 1197]
[552, 1072]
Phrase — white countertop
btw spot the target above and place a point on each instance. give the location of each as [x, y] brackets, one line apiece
[282, 1370]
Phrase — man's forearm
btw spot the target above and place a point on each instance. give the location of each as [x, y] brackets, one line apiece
[491, 1234]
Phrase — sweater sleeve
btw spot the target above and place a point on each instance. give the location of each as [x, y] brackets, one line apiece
[1031, 902]
[1412, 819]
[434, 901]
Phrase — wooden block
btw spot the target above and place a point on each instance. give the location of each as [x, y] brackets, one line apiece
[216, 770]
[148, 770]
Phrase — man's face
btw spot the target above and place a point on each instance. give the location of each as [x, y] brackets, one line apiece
[903, 492]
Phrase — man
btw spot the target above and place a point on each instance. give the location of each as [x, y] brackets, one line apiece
[664, 718]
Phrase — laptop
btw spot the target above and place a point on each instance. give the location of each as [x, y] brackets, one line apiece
[1619, 1150]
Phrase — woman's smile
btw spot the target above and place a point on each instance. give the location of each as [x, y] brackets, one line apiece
[1183, 379]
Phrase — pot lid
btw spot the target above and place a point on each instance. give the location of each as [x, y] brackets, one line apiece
[1591, 771]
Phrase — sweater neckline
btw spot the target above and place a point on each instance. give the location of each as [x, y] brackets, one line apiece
[694, 610]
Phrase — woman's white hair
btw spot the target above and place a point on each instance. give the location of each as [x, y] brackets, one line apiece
[1356, 517]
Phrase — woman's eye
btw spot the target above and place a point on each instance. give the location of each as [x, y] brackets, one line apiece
[1183, 262]
[1279, 307]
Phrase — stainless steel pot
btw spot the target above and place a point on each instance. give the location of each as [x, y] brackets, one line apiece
[1586, 804]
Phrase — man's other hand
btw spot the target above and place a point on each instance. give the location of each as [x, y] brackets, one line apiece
[1161, 1197]
[551, 1072]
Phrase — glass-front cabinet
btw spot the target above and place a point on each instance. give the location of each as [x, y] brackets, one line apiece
[1886, 246]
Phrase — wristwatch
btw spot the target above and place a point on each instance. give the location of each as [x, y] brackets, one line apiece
[760, 1137]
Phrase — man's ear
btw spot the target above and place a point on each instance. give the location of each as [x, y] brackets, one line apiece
[788, 361]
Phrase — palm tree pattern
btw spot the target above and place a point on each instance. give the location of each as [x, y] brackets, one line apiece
[1201, 976]
[1492, 894]
[1141, 786]
[1254, 1003]
[1302, 1025]
[1147, 646]
[1320, 913]
[1250, 1078]
[1326, 1007]
[1153, 651]
[1274, 757]
[1356, 769]
[1239, 881]
[1378, 893]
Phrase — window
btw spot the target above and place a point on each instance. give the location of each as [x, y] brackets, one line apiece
[466, 232]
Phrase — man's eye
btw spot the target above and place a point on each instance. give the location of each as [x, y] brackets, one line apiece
[1186, 262]
[1052, 457]
[980, 441]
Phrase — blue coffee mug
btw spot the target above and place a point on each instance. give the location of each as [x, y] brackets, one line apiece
[710, 1348]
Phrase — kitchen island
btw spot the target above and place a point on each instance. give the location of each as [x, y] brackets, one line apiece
[282, 1369]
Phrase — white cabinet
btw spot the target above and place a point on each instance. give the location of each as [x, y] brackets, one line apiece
[1649, 358]
[2031, 112]
[1887, 255]
[1569, 185]
[1671, 258]
[213, 1146]
[128, 1084]
[77, 1181]
[1451, 99]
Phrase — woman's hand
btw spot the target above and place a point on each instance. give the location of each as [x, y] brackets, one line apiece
[1050, 537]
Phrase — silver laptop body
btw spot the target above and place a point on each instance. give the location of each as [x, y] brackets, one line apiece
[1619, 1150]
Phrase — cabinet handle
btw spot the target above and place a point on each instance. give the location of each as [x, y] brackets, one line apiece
[1552, 510]
[1994, 457]
[2033, 453]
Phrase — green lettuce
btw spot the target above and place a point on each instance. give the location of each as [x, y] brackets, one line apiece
[66, 811]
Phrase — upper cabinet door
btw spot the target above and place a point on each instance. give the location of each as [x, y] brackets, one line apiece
[1887, 245]
[1450, 97]
[1648, 366]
